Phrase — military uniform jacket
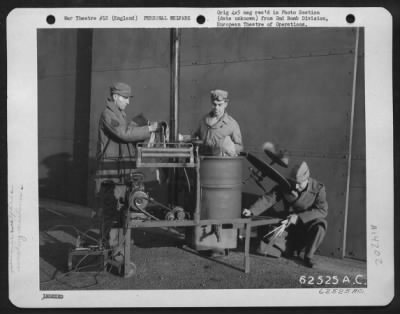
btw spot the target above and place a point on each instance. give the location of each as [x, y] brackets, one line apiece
[213, 135]
[115, 133]
[310, 205]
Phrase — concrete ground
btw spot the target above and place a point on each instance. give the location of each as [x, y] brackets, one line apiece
[164, 261]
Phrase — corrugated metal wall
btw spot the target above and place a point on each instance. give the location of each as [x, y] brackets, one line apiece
[56, 111]
[291, 86]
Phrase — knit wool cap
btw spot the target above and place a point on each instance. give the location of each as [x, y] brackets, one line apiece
[219, 94]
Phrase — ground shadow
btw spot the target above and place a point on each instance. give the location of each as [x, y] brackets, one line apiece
[55, 253]
[157, 237]
[58, 234]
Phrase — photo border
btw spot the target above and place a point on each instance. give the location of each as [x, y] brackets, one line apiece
[385, 92]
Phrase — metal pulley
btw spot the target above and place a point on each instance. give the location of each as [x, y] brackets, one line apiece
[136, 179]
[170, 216]
[177, 213]
[138, 200]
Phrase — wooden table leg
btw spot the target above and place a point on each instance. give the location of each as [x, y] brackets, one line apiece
[247, 248]
[127, 250]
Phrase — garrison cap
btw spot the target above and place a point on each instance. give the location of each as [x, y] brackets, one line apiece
[300, 172]
[219, 94]
[121, 89]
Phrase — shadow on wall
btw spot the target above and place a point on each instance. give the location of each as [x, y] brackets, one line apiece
[68, 172]
[63, 173]
[59, 167]
[62, 178]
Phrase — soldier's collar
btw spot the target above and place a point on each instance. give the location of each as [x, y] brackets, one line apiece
[223, 119]
[111, 105]
[114, 108]
[309, 188]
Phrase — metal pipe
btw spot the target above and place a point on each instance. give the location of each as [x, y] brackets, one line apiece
[198, 188]
[174, 105]
[174, 101]
[353, 100]
[167, 150]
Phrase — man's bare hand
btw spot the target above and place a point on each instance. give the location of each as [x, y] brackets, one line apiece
[246, 212]
[184, 137]
[292, 219]
[153, 126]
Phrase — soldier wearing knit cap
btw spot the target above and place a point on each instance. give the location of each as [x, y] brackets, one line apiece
[219, 94]
[305, 207]
[219, 132]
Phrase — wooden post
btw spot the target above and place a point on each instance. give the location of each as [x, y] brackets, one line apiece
[127, 245]
[350, 147]
[247, 248]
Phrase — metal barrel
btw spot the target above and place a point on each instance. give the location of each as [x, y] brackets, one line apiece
[221, 187]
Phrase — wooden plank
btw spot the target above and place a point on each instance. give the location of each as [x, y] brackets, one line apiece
[142, 164]
[65, 208]
[237, 222]
[165, 155]
[127, 251]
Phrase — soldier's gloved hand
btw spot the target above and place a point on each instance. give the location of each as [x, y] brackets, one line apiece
[153, 126]
[292, 219]
[228, 147]
[247, 212]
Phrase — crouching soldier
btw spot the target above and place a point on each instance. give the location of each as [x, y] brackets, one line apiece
[305, 208]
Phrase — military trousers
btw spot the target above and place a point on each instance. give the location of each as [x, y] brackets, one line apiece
[110, 199]
[295, 238]
[307, 237]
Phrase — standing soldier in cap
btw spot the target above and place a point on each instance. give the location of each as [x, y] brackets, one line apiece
[305, 208]
[219, 132]
[115, 133]
[220, 135]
